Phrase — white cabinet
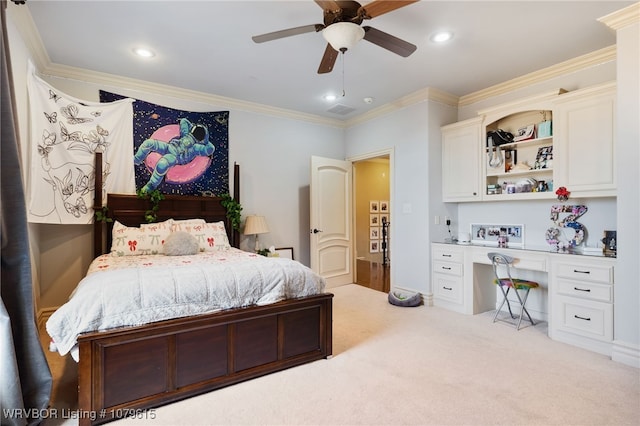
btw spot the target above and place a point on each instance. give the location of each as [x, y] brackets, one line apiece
[581, 149]
[447, 266]
[461, 144]
[582, 301]
[586, 130]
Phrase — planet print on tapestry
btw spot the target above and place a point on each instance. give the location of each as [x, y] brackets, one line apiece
[178, 173]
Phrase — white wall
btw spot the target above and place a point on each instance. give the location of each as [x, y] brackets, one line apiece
[407, 132]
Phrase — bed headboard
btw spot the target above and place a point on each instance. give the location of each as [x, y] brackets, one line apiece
[130, 210]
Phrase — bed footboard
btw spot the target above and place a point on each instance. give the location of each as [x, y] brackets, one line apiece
[127, 370]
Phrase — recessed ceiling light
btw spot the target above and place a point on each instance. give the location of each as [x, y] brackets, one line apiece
[368, 100]
[145, 53]
[441, 36]
[330, 97]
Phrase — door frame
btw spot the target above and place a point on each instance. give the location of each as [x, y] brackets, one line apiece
[369, 156]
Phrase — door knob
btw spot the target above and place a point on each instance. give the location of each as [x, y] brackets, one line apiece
[315, 230]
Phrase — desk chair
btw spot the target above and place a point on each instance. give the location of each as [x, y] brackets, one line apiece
[502, 272]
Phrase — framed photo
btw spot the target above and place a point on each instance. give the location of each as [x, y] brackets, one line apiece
[491, 234]
[384, 218]
[374, 206]
[374, 246]
[285, 252]
[374, 219]
[374, 233]
[544, 158]
[384, 206]
[610, 242]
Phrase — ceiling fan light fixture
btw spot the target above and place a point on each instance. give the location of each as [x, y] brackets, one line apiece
[343, 35]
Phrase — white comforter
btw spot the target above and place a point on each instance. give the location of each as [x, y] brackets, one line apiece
[136, 290]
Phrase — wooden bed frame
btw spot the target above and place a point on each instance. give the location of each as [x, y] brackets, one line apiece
[124, 371]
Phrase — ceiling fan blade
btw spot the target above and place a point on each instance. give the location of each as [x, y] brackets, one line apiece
[328, 60]
[389, 42]
[329, 5]
[380, 7]
[287, 33]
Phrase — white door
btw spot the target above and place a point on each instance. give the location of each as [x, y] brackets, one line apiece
[331, 218]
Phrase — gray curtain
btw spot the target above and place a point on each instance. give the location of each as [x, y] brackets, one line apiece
[25, 378]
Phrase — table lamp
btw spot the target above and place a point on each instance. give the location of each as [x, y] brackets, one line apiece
[255, 225]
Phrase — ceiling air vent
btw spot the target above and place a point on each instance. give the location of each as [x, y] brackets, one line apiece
[341, 109]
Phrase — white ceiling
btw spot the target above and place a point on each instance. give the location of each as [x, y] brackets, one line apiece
[206, 46]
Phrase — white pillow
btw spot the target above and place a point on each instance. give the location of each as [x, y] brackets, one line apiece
[185, 224]
[210, 236]
[133, 241]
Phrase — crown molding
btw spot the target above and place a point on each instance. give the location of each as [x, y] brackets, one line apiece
[426, 94]
[94, 77]
[623, 17]
[598, 57]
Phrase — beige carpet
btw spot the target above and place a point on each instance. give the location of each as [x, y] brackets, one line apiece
[414, 366]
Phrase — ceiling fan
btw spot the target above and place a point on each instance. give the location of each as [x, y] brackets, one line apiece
[342, 29]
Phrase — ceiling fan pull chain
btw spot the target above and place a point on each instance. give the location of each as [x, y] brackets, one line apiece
[342, 59]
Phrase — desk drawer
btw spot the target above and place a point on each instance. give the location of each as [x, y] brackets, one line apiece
[447, 254]
[447, 268]
[585, 290]
[581, 272]
[447, 288]
[584, 317]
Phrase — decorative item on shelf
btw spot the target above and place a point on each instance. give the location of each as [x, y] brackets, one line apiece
[554, 235]
[544, 158]
[495, 138]
[544, 128]
[610, 245]
[255, 225]
[562, 193]
[497, 234]
[525, 133]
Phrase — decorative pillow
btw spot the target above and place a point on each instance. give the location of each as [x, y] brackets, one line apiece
[181, 243]
[210, 236]
[185, 224]
[133, 241]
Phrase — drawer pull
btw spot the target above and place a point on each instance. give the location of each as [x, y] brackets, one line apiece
[582, 289]
[581, 272]
[582, 318]
[446, 268]
[448, 288]
[446, 255]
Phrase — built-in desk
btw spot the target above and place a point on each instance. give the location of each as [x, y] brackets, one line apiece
[575, 295]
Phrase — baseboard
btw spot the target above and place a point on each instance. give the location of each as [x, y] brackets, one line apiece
[626, 353]
[43, 316]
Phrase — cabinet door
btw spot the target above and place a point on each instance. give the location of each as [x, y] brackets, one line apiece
[461, 145]
[584, 146]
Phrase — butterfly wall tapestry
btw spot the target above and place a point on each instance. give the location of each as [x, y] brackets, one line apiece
[179, 152]
[65, 134]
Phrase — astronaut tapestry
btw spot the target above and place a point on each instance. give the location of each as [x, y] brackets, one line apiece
[179, 152]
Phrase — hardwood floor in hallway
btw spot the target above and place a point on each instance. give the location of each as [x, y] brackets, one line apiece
[373, 275]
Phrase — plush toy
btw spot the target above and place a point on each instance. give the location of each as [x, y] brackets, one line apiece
[181, 243]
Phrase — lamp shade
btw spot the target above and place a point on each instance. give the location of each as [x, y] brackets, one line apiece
[255, 225]
[343, 35]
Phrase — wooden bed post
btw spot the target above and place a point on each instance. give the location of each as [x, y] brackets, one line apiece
[97, 205]
[236, 196]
